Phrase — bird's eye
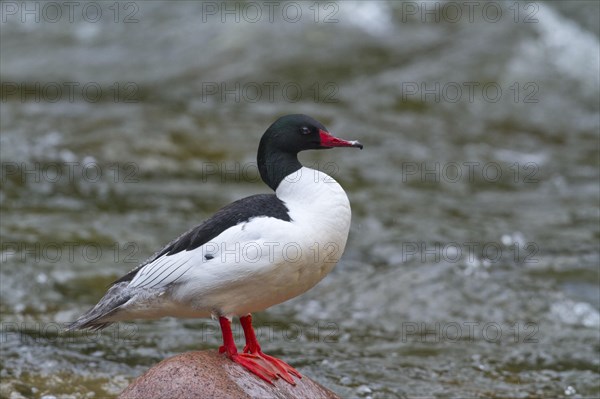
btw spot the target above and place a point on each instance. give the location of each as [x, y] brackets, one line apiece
[304, 130]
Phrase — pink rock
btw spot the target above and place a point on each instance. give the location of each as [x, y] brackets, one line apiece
[208, 374]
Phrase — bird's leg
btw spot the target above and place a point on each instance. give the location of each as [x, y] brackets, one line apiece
[264, 371]
[252, 345]
[281, 368]
[228, 346]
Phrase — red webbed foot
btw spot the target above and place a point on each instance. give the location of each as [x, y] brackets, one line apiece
[267, 368]
[252, 363]
[281, 368]
[278, 366]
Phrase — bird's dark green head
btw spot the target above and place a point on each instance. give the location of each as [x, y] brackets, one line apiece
[298, 132]
[285, 138]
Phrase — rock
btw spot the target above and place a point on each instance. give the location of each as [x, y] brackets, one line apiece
[208, 374]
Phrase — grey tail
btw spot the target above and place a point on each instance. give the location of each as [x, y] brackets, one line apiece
[99, 316]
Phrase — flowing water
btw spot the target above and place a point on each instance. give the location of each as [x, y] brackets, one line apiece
[472, 264]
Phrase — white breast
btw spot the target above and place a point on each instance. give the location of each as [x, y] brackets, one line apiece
[318, 207]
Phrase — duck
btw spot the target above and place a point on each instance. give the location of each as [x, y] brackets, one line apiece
[254, 253]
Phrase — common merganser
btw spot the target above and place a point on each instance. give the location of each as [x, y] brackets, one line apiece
[252, 254]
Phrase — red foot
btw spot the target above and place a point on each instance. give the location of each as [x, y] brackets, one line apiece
[256, 366]
[279, 367]
[266, 367]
